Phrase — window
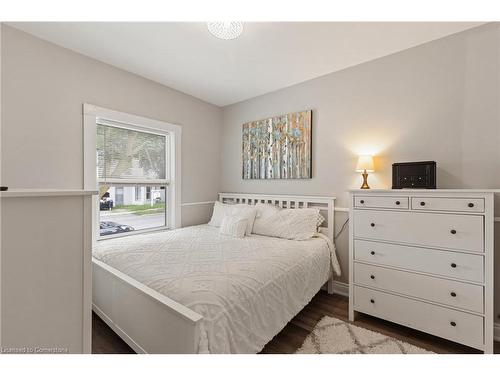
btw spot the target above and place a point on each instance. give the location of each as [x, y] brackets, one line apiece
[136, 169]
[127, 161]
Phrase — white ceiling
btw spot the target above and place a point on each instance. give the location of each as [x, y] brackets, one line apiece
[267, 57]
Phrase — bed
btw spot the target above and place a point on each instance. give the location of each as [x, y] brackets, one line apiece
[192, 290]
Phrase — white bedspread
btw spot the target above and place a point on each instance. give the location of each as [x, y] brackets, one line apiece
[246, 289]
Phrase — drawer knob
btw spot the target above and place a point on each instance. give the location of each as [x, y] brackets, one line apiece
[362, 201]
[372, 300]
[453, 324]
[372, 277]
[453, 265]
[471, 205]
[422, 203]
[398, 203]
[372, 252]
[453, 231]
[372, 224]
[453, 294]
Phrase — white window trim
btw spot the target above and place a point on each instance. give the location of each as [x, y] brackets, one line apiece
[91, 114]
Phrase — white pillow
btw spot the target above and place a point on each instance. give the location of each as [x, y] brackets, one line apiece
[292, 224]
[234, 226]
[242, 210]
[220, 210]
[248, 212]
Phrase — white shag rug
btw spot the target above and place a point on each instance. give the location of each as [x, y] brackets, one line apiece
[334, 336]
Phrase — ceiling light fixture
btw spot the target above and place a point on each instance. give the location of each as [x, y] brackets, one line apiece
[225, 30]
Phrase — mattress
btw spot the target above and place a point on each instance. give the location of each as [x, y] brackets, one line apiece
[246, 289]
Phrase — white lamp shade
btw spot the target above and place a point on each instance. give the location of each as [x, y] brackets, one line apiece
[365, 162]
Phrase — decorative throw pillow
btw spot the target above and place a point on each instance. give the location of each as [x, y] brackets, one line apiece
[248, 212]
[234, 226]
[292, 224]
[220, 210]
[243, 210]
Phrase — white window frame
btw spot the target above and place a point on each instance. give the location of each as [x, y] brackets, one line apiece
[92, 115]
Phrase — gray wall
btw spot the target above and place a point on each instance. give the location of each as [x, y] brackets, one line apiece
[438, 101]
[44, 87]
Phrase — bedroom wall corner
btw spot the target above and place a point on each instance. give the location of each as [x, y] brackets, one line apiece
[196, 213]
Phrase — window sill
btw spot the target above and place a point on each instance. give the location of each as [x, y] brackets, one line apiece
[133, 232]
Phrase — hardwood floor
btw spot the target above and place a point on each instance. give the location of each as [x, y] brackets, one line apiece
[105, 341]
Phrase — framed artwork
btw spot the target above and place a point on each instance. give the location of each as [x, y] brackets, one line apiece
[278, 147]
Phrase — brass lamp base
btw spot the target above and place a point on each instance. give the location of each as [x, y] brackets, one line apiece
[365, 180]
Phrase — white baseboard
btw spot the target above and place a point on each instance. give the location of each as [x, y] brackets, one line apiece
[340, 288]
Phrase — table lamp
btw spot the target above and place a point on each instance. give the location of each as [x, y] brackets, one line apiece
[365, 165]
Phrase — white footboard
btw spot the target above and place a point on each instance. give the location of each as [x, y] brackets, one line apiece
[146, 320]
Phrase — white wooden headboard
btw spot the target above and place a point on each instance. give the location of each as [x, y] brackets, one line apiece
[326, 205]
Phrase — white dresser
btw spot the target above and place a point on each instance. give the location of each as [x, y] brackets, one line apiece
[424, 259]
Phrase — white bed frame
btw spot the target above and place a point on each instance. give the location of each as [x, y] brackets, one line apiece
[150, 322]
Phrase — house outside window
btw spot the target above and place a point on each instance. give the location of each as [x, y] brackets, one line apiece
[136, 171]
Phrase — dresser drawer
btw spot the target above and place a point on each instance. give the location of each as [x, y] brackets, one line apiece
[468, 267]
[447, 292]
[448, 204]
[440, 321]
[461, 232]
[381, 202]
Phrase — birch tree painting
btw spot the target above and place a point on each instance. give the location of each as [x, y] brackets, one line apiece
[278, 147]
